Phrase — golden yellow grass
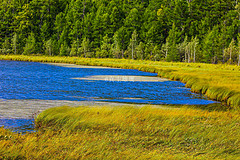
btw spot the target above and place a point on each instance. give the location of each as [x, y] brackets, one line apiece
[137, 133]
[127, 133]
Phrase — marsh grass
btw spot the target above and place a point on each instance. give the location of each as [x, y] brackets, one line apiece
[217, 82]
[203, 132]
[127, 133]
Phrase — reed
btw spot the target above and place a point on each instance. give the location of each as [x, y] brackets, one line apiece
[127, 133]
[218, 82]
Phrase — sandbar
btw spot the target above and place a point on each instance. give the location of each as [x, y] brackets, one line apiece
[123, 78]
[28, 109]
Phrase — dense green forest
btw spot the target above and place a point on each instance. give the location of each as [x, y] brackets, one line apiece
[171, 30]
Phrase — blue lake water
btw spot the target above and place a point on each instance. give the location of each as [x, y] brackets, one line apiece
[18, 125]
[30, 80]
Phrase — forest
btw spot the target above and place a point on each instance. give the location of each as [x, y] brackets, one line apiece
[159, 30]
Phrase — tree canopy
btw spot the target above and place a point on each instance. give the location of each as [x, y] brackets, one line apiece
[171, 30]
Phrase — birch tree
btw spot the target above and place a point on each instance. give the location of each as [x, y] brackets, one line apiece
[133, 43]
[85, 46]
[14, 43]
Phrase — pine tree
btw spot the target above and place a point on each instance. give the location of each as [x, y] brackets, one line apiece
[30, 47]
[210, 44]
[64, 50]
[74, 49]
[49, 47]
[6, 47]
[106, 47]
[172, 39]
[121, 36]
[85, 46]
[115, 49]
[228, 52]
[140, 51]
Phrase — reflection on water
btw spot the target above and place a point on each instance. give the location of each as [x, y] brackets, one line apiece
[18, 125]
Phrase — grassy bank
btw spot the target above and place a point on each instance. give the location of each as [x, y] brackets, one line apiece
[127, 133]
[218, 82]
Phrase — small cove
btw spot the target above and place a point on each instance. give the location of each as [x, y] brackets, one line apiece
[61, 82]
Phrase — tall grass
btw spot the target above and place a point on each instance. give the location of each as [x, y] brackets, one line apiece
[127, 133]
[217, 82]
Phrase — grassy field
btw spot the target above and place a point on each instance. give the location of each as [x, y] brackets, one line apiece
[149, 132]
[127, 133]
[217, 82]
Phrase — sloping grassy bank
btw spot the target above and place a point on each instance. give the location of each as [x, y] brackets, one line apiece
[218, 82]
[127, 133]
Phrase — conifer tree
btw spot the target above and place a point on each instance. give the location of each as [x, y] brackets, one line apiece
[49, 47]
[115, 49]
[74, 49]
[30, 46]
[64, 50]
[140, 50]
[106, 47]
[228, 52]
[172, 39]
[85, 46]
[6, 47]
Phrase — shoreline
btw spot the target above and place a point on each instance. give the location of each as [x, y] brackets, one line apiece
[28, 109]
[79, 66]
[207, 79]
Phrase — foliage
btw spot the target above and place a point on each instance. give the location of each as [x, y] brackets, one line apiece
[163, 24]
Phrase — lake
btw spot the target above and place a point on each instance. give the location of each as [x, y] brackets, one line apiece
[38, 81]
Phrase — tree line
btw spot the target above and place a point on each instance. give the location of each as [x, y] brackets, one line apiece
[171, 30]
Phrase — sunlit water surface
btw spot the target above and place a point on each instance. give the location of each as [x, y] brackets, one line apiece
[30, 80]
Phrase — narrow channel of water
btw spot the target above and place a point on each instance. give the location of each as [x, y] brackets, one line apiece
[18, 125]
[30, 80]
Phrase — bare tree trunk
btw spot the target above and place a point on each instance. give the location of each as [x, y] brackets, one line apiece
[194, 56]
[185, 56]
[132, 50]
[194, 53]
[188, 57]
[49, 51]
[15, 49]
[84, 7]
[239, 59]
[230, 55]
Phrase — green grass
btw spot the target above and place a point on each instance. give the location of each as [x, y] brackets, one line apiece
[217, 82]
[127, 133]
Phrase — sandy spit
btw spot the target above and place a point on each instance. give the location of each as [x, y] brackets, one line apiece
[26, 109]
[121, 78]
